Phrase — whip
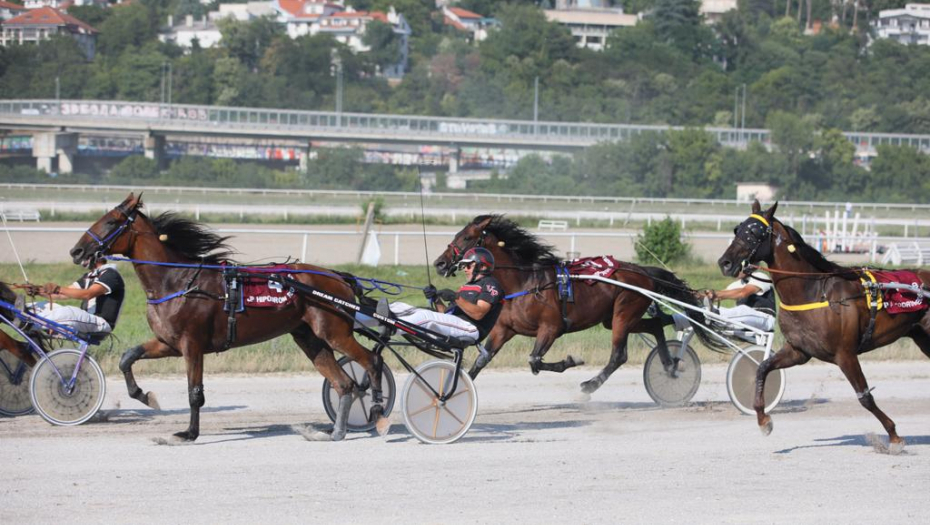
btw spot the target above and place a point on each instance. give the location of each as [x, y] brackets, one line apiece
[423, 221]
[15, 252]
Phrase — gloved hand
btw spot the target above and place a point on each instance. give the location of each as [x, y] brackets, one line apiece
[430, 293]
[50, 288]
[32, 289]
[447, 295]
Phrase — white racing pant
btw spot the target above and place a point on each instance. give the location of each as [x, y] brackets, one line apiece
[72, 317]
[445, 324]
[742, 314]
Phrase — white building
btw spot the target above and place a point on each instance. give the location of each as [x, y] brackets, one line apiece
[590, 27]
[9, 10]
[468, 22]
[910, 25]
[62, 4]
[40, 24]
[713, 10]
[203, 30]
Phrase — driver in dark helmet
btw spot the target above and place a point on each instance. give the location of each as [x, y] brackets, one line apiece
[469, 313]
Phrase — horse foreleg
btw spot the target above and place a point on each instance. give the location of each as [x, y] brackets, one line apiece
[153, 349]
[851, 368]
[544, 339]
[495, 341]
[193, 354]
[787, 357]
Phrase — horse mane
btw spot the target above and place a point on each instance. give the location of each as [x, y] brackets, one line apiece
[193, 240]
[815, 258]
[522, 245]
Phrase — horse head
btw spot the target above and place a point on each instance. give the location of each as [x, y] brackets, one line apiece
[108, 234]
[752, 242]
[473, 235]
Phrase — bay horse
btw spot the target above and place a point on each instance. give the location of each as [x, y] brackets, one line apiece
[523, 263]
[825, 311]
[195, 323]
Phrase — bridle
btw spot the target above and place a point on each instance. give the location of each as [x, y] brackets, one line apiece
[105, 242]
[459, 252]
[754, 235]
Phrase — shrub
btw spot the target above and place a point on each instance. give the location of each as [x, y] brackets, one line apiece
[661, 240]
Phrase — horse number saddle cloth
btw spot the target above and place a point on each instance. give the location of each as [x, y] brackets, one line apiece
[602, 266]
[897, 301]
[257, 292]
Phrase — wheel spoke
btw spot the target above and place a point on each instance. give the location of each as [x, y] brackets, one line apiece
[420, 411]
[453, 415]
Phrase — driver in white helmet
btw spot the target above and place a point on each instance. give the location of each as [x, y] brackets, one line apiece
[471, 312]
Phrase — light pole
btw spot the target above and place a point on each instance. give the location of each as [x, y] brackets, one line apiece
[339, 89]
[536, 107]
[170, 82]
[58, 91]
[743, 126]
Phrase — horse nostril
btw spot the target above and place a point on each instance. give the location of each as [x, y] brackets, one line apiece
[76, 252]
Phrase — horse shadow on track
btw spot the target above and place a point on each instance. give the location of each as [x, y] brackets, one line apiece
[120, 416]
[858, 440]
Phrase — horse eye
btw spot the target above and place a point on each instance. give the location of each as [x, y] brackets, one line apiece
[467, 238]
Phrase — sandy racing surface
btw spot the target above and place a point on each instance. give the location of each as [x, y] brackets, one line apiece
[536, 454]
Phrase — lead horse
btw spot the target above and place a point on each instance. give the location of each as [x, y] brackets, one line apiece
[824, 312]
[167, 253]
[523, 264]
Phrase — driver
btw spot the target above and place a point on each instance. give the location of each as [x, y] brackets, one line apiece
[471, 312]
[101, 292]
[755, 300]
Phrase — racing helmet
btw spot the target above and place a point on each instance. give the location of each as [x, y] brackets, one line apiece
[484, 261]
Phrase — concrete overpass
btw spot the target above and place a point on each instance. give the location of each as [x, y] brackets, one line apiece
[55, 125]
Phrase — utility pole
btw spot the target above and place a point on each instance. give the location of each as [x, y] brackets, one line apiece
[170, 81]
[339, 89]
[536, 108]
[58, 90]
[743, 126]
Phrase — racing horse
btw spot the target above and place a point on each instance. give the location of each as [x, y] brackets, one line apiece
[524, 264]
[167, 252]
[825, 311]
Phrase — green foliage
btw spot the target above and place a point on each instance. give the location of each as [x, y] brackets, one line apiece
[133, 169]
[661, 240]
[384, 44]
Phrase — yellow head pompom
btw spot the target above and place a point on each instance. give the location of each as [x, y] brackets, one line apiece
[791, 248]
[501, 243]
[163, 237]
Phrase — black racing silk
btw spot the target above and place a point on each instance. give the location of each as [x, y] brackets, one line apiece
[486, 289]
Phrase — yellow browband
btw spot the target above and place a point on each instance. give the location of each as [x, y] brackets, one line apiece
[760, 219]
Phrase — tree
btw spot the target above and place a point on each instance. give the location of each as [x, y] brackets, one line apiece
[384, 44]
[247, 41]
[129, 26]
[132, 169]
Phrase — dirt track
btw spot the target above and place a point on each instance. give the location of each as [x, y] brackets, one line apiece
[536, 454]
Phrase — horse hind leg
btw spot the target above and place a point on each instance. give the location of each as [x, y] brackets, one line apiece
[851, 368]
[323, 359]
[492, 346]
[153, 349]
[544, 339]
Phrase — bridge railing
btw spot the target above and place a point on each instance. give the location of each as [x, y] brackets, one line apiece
[378, 125]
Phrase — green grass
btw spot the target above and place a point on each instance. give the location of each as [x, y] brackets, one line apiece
[282, 355]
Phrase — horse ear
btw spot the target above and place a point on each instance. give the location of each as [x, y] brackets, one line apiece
[769, 213]
[129, 202]
[482, 224]
[756, 207]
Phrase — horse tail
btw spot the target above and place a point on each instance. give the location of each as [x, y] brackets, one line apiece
[670, 285]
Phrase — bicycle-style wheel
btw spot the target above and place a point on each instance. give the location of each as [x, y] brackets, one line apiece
[427, 417]
[359, 414]
[60, 404]
[741, 381]
[675, 385]
[14, 386]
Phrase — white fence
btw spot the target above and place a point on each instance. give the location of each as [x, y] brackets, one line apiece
[908, 254]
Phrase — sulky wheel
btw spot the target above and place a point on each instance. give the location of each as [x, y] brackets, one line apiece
[360, 413]
[14, 386]
[673, 385]
[741, 381]
[426, 416]
[55, 400]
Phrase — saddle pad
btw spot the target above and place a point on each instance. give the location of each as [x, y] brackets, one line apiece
[601, 266]
[901, 301]
[261, 293]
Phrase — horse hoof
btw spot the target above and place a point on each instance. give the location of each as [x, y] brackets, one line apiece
[185, 436]
[151, 401]
[896, 447]
[383, 426]
[572, 362]
[589, 387]
[766, 427]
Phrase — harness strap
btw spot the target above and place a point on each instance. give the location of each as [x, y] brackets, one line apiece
[804, 307]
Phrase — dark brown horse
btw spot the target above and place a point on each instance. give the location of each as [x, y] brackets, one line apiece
[525, 264]
[20, 349]
[195, 323]
[825, 313]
